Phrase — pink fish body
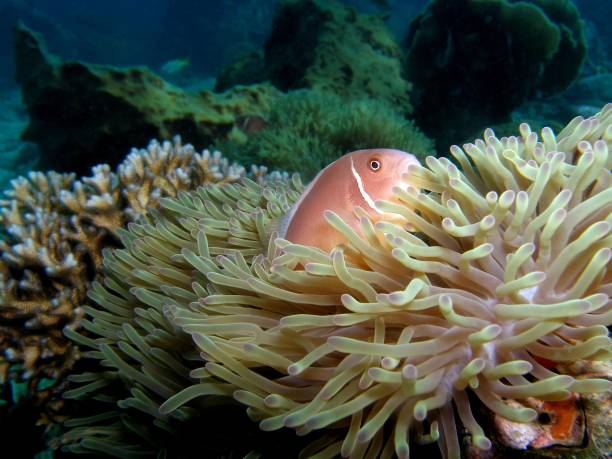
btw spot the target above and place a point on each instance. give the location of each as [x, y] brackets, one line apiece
[359, 178]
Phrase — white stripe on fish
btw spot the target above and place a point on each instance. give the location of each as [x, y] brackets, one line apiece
[357, 179]
[362, 190]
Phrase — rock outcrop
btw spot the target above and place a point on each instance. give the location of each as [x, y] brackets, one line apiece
[473, 62]
[326, 46]
[84, 114]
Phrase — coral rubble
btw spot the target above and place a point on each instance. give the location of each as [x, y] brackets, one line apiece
[502, 282]
[106, 110]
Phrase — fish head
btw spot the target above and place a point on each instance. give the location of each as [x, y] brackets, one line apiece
[378, 171]
[356, 180]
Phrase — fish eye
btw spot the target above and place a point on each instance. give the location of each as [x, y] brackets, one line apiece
[375, 164]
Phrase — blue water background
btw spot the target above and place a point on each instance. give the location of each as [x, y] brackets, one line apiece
[151, 32]
[211, 34]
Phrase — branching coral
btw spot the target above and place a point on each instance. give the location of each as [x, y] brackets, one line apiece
[505, 277]
[56, 227]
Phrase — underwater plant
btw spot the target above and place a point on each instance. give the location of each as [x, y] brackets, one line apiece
[308, 129]
[504, 278]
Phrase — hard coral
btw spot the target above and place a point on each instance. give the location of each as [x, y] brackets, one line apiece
[313, 44]
[55, 230]
[505, 279]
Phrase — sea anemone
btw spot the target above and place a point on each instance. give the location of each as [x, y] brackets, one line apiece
[54, 227]
[52, 232]
[502, 276]
[144, 357]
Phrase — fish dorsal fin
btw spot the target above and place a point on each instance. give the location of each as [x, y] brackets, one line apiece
[283, 226]
[280, 224]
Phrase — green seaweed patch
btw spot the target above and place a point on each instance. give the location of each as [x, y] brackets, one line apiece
[308, 129]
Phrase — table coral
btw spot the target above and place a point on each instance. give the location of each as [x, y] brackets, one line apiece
[504, 280]
[56, 228]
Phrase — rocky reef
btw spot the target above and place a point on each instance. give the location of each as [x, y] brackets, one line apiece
[106, 110]
[162, 321]
[474, 62]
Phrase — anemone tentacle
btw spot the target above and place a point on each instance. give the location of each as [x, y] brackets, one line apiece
[380, 340]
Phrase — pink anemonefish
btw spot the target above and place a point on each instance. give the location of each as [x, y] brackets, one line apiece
[359, 178]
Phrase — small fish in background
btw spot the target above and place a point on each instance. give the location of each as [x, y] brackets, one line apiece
[251, 124]
[357, 179]
[175, 66]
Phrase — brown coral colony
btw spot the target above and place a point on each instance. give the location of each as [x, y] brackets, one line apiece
[57, 227]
